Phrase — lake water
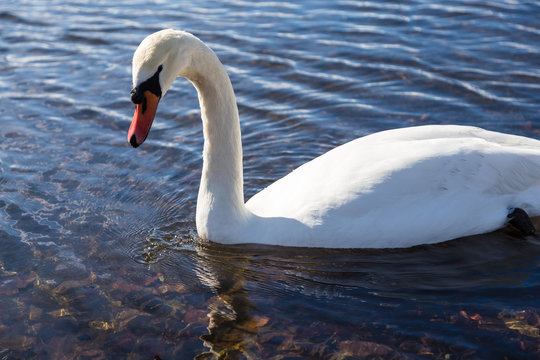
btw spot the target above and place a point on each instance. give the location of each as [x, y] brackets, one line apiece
[99, 257]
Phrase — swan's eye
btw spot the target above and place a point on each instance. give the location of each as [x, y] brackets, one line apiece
[137, 95]
[152, 85]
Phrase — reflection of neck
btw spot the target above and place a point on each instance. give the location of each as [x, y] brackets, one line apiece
[232, 326]
[221, 198]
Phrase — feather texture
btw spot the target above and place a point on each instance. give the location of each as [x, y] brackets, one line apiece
[396, 188]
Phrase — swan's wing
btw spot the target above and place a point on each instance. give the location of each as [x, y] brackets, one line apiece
[419, 166]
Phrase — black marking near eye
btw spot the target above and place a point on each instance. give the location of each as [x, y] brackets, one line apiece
[152, 85]
[136, 95]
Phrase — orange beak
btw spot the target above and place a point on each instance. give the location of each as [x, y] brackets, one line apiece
[142, 119]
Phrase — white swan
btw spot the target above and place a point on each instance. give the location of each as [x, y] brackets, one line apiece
[395, 188]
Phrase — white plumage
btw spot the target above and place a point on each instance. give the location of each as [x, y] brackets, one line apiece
[396, 188]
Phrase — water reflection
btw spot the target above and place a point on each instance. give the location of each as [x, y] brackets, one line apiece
[354, 285]
[260, 300]
[232, 327]
[98, 250]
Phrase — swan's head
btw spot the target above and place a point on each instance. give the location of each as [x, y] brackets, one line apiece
[160, 58]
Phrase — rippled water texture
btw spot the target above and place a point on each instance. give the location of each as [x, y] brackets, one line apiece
[99, 256]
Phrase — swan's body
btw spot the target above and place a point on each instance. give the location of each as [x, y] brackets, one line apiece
[396, 188]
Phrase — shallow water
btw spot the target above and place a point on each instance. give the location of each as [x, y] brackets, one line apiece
[99, 256]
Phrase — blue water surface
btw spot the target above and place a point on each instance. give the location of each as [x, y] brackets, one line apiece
[99, 257]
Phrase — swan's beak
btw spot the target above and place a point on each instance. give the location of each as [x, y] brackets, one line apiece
[142, 119]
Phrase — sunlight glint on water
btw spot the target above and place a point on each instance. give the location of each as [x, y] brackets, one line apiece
[99, 256]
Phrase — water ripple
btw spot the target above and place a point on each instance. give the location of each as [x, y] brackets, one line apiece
[99, 253]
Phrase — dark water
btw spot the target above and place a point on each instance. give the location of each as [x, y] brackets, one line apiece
[99, 257]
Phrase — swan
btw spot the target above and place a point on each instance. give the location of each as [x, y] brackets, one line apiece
[392, 189]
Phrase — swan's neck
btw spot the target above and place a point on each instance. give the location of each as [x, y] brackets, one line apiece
[220, 204]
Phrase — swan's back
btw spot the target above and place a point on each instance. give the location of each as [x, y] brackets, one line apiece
[391, 189]
[402, 186]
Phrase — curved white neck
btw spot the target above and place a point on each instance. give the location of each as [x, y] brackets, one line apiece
[220, 203]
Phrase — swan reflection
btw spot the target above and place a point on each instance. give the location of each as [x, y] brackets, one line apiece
[232, 328]
[260, 289]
